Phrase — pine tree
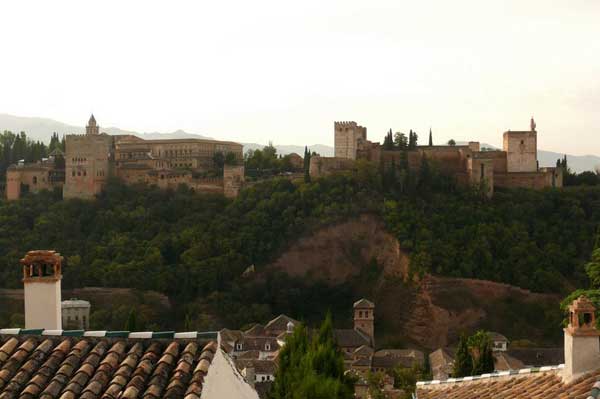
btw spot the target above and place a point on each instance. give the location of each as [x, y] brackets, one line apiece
[463, 363]
[430, 138]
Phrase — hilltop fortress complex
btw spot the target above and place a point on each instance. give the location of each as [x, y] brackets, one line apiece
[92, 158]
[515, 166]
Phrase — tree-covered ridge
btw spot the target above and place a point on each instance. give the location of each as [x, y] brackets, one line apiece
[195, 247]
[532, 239]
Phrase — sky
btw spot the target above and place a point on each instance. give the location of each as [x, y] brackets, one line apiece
[284, 71]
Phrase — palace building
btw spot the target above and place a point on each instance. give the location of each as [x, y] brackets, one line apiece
[92, 158]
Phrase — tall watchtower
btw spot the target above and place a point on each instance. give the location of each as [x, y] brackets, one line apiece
[521, 149]
[41, 282]
[364, 318]
[348, 135]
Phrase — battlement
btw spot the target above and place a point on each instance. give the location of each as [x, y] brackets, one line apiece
[343, 124]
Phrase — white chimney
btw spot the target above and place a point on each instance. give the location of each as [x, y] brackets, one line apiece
[41, 283]
[582, 340]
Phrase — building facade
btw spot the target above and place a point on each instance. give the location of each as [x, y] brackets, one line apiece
[75, 314]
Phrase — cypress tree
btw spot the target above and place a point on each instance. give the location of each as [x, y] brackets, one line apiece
[131, 324]
[481, 343]
[307, 155]
[430, 138]
[311, 368]
[463, 363]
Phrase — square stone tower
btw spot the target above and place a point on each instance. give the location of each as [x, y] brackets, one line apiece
[348, 135]
[41, 282]
[521, 150]
[364, 318]
[88, 162]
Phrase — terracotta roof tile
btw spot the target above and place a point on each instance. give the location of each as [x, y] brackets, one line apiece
[52, 367]
[537, 385]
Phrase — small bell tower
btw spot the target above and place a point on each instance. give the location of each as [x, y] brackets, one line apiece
[582, 347]
[364, 318]
[41, 282]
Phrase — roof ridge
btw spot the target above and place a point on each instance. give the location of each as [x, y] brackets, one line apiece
[109, 333]
[495, 374]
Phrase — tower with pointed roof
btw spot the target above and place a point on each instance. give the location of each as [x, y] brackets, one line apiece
[92, 127]
[364, 318]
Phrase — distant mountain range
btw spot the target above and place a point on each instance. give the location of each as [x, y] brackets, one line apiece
[42, 128]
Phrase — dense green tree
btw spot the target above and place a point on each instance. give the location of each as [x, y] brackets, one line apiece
[405, 378]
[592, 268]
[400, 141]
[266, 163]
[311, 367]
[451, 142]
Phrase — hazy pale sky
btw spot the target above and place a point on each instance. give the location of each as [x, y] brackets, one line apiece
[256, 71]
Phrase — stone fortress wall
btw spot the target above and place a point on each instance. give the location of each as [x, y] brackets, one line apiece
[515, 166]
[33, 177]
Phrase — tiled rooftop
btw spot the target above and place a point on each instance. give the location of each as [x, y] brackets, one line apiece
[103, 364]
[539, 383]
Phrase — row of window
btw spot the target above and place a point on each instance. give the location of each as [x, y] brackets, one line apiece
[79, 159]
[76, 318]
[35, 179]
[239, 347]
[360, 313]
[79, 173]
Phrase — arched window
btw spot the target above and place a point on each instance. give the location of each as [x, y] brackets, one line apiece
[34, 179]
